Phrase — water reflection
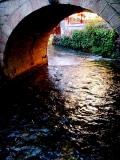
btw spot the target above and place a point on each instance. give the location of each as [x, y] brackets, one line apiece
[68, 110]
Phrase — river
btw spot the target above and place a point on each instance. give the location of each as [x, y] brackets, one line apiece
[68, 110]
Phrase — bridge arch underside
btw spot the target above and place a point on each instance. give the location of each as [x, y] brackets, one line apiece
[27, 44]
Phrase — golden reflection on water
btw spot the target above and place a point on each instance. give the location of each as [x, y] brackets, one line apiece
[67, 109]
[84, 86]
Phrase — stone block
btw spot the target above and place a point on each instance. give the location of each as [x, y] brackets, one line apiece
[8, 7]
[6, 29]
[116, 7]
[75, 2]
[37, 4]
[115, 21]
[2, 47]
[64, 1]
[3, 19]
[1, 60]
[3, 38]
[118, 30]
[25, 9]
[15, 18]
[113, 1]
[100, 6]
[107, 12]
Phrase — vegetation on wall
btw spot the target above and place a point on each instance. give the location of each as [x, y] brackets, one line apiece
[100, 41]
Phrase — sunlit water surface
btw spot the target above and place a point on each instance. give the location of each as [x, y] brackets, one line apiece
[68, 110]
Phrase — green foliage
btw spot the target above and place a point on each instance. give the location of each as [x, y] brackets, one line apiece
[66, 42]
[93, 40]
[103, 42]
[56, 40]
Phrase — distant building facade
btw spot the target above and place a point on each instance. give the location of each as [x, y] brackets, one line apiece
[76, 21]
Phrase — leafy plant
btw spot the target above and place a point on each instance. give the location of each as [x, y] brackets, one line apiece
[94, 40]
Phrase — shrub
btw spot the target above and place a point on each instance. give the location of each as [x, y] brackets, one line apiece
[94, 40]
[103, 42]
[56, 40]
[65, 42]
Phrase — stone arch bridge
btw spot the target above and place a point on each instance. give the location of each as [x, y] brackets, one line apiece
[25, 27]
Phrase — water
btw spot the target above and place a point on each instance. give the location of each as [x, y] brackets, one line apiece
[68, 110]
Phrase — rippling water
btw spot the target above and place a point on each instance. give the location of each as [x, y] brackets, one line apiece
[68, 110]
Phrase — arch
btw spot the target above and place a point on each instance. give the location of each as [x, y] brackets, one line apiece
[24, 39]
[11, 13]
[27, 44]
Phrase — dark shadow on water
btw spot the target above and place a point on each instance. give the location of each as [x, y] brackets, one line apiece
[35, 124]
[33, 119]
